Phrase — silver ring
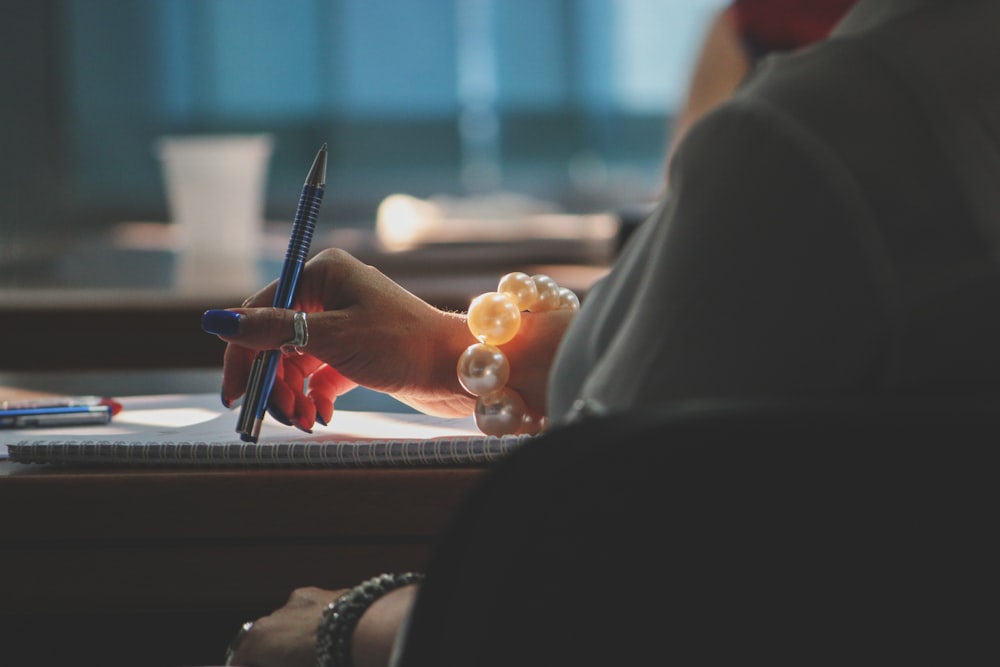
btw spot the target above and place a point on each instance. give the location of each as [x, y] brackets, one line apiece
[301, 338]
[235, 643]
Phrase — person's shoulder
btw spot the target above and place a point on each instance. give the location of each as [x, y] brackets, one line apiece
[826, 69]
[752, 150]
[880, 74]
[755, 122]
[755, 160]
[900, 48]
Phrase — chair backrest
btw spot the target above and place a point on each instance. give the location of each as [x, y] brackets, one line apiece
[788, 532]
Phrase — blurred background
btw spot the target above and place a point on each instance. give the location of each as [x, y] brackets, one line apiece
[568, 101]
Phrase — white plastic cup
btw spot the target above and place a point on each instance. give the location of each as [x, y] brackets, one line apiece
[216, 187]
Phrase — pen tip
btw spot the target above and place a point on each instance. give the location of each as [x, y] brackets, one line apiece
[317, 174]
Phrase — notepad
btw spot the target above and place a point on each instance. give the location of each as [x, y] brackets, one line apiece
[196, 431]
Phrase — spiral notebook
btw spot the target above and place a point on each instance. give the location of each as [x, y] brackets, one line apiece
[196, 431]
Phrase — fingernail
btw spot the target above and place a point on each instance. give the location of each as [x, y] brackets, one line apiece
[320, 419]
[226, 402]
[279, 416]
[302, 427]
[221, 322]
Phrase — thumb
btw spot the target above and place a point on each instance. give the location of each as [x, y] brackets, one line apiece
[254, 328]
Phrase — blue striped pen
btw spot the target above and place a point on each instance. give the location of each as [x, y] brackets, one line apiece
[265, 364]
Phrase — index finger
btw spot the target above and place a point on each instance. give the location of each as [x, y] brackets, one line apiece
[262, 298]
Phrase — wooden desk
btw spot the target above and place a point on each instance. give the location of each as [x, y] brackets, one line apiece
[159, 567]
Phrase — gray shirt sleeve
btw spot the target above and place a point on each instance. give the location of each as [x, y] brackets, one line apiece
[758, 276]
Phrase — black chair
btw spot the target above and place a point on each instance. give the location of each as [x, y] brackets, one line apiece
[839, 532]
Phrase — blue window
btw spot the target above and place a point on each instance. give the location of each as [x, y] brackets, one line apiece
[568, 100]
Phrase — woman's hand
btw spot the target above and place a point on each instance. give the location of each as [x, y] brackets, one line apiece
[364, 329]
[287, 637]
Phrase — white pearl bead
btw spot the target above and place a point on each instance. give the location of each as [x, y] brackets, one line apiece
[500, 413]
[548, 293]
[483, 369]
[494, 318]
[532, 423]
[520, 286]
[568, 299]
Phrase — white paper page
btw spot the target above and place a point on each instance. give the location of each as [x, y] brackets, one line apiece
[202, 418]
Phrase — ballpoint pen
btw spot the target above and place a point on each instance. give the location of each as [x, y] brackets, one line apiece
[265, 364]
[57, 411]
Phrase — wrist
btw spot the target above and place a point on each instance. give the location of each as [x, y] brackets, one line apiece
[444, 343]
[531, 354]
[334, 637]
[516, 319]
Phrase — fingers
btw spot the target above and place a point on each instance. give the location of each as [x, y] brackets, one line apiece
[325, 385]
[254, 328]
[264, 297]
[288, 404]
[249, 330]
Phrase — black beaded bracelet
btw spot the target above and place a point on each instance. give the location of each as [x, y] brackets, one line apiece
[333, 638]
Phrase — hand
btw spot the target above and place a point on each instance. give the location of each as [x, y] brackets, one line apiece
[364, 329]
[287, 637]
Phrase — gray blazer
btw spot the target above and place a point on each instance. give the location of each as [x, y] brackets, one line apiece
[832, 230]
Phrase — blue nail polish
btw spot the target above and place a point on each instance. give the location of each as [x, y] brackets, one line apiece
[278, 416]
[320, 419]
[226, 402]
[221, 322]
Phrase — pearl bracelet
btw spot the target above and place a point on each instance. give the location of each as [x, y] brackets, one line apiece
[494, 318]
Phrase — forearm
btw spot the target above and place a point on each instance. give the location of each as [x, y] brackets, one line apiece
[435, 359]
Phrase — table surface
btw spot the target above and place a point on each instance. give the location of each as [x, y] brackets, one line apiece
[168, 540]
[109, 565]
